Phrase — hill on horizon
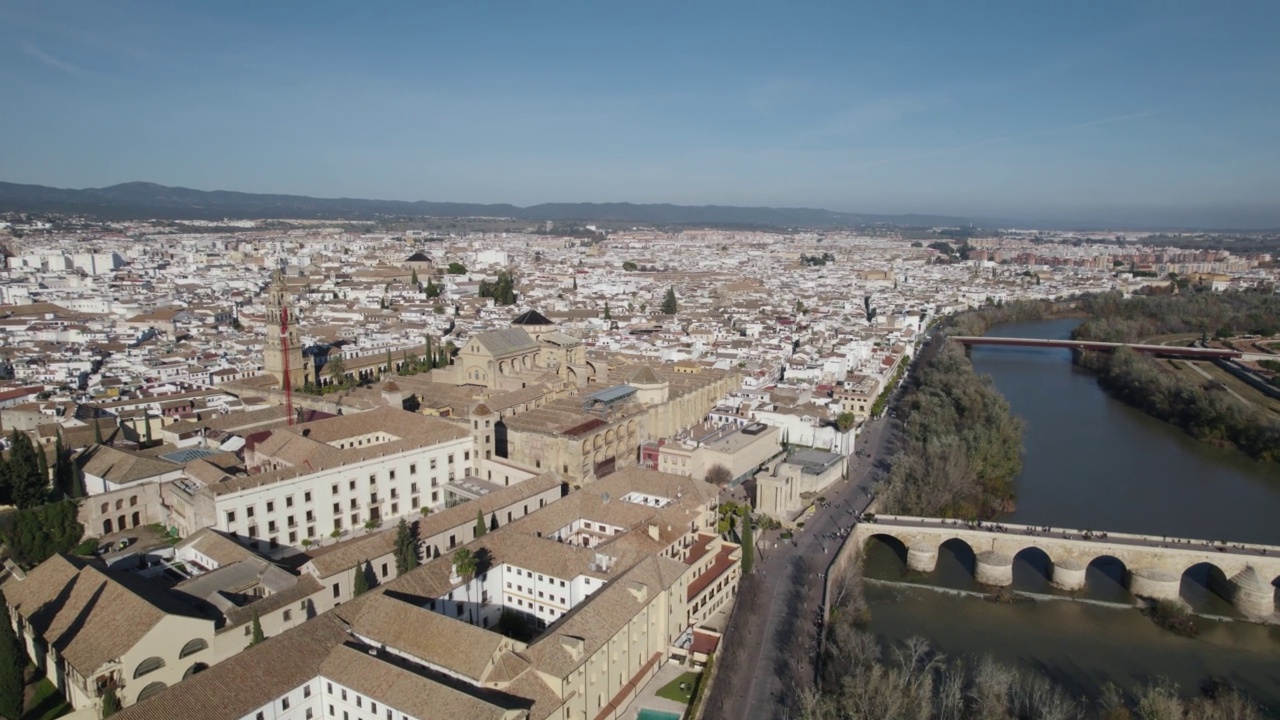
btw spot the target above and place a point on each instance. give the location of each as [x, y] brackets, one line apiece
[144, 200]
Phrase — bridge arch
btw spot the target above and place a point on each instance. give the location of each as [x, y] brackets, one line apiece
[1108, 577]
[894, 544]
[1032, 568]
[1199, 582]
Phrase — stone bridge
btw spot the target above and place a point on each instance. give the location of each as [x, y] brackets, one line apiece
[1154, 566]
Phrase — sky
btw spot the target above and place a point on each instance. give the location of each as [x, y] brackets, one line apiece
[1108, 112]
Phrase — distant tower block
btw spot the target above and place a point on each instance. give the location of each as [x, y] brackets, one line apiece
[280, 307]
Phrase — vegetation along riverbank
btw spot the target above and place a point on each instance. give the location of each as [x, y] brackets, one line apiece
[1204, 407]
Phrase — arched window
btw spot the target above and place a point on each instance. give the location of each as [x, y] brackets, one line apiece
[193, 647]
[150, 690]
[149, 665]
[120, 503]
[133, 500]
[196, 668]
[106, 507]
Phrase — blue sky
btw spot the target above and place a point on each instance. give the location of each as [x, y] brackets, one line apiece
[1159, 112]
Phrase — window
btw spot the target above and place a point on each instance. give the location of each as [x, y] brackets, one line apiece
[149, 665]
[413, 469]
[450, 458]
[466, 454]
[354, 503]
[335, 488]
[231, 516]
[306, 691]
[433, 463]
[435, 496]
[355, 519]
[271, 526]
[284, 704]
[309, 715]
[413, 488]
[391, 475]
[311, 516]
[261, 715]
[395, 508]
[293, 536]
[288, 501]
[253, 531]
[384, 569]
[193, 647]
[351, 485]
[248, 511]
[337, 508]
[306, 496]
[337, 590]
[271, 506]
[373, 480]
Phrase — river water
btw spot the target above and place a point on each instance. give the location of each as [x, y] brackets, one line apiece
[1092, 462]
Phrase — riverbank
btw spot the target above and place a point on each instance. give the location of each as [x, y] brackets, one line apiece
[1203, 409]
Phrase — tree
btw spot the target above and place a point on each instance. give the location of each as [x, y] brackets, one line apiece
[481, 528]
[629, 266]
[28, 487]
[606, 315]
[845, 420]
[336, 370]
[13, 663]
[669, 306]
[719, 475]
[361, 584]
[257, 634]
[110, 703]
[465, 565]
[575, 282]
[502, 290]
[414, 278]
[748, 546]
[456, 268]
[389, 362]
[406, 550]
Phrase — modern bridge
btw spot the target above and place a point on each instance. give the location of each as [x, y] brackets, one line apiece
[1154, 565]
[1165, 350]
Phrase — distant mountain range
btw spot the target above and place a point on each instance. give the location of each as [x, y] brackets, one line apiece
[142, 200]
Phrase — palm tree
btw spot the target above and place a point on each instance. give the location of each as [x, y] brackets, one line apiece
[337, 371]
[465, 565]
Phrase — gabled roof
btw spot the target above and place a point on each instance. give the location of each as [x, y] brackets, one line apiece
[504, 342]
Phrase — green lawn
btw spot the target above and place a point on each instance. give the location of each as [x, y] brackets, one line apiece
[44, 702]
[672, 691]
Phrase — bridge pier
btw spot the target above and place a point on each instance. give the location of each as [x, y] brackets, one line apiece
[1068, 575]
[993, 568]
[922, 558]
[1251, 595]
[1155, 584]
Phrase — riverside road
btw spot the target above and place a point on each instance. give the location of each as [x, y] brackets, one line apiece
[774, 631]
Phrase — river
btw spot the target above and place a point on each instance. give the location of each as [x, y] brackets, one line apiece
[1092, 462]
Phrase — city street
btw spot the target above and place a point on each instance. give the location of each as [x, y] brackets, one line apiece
[771, 643]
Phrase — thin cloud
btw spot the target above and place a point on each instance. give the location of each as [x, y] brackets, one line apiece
[1010, 138]
[32, 51]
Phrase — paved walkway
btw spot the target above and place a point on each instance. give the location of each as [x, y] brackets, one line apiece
[648, 698]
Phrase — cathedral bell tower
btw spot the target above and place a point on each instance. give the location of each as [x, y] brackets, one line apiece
[282, 356]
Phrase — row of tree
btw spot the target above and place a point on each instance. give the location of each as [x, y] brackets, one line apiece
[1115, 318]
[502, 290]
[962, 447]
[1205, 411]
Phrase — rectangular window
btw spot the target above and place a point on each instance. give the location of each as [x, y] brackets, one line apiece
[395, 508]
[311, 516]
[337, 508]
[306, 691]
[335, 488]
[248, 511]
[384, 569]
[288, 501]
[337, 591]
[271, 526]
[355, 519]
[293, 536]
[271, 506]
[231, 516]
[391, 475]
[284, 703]
[413, 469]
[435, 497]
[354, 503]
[306, 496]
[373, 480]
[351, 485]
[253, 531]
[466, 454]
[450, 458]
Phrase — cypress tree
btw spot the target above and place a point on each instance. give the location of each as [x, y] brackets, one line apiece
[42, 465]
[13, 663]
[361, 585]
[6, 483]
[748, 546]
[606, 314]
[258, 636]
[481, 528]
[406, 553]
[669, 302]
[61, 478]
[28, 487]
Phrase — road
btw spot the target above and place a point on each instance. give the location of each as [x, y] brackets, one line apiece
[771, 642]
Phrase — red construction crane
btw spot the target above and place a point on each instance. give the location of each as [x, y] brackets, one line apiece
[288, 377]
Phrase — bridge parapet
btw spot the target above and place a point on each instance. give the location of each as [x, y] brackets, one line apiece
[1154, 565]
